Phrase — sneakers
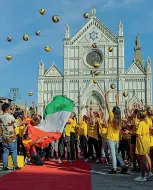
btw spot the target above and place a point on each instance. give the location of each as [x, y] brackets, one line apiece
[86, 160]
[5, 169]
[17, 168]
[150, 174]
[140, 179]
[97, 161]
[59, 161]
[124, 170]
[112, 171]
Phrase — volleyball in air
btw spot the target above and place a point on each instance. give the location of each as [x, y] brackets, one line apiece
[38, 33]
[56, 18]
[47, 48]
[94, 45]
[30, 93]
[113, 86]
[94, 81]
[9, 57]
[96, 65]
[26, 37]
[125, 94]
[110, 49]
[96, 73]
[86, 15]
[42, 11]
[9, 38]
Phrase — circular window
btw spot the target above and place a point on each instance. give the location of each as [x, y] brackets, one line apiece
[94, 57]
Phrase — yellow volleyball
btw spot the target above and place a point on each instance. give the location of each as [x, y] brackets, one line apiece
[47, 48]
[56, 18]
[30, 93]
[113, 86]
[86, 15]
[94, 81]
[110, 49]
[26, 37]
[125, 94]
[94, 45]
[9, 57]
[42, 11]
[96, 65]
[96, 73]
[38, 33]
[9, 38]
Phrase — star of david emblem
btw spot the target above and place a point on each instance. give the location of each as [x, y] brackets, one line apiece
[93, 35]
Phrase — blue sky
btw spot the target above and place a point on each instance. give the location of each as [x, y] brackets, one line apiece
[19, 17]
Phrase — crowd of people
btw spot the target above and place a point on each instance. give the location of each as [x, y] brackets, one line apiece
[125, 142]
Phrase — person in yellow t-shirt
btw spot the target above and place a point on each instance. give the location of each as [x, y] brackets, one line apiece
[66, 135]
[76, 140]
[150, 122]
[114, 127]
[143, 145]
[72, 134]
[82, 132]
[93, 132]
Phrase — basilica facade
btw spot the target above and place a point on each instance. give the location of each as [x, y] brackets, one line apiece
[76, 81]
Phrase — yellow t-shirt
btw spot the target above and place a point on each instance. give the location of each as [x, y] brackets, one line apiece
[21, 130]
[68, 127]
[151, 141]
[17, 128]
[135, 123]
[93, 131]
[76, 133]
[82, 128]
[112, 134]
[143, 139]
[1, 131]
[73, 125]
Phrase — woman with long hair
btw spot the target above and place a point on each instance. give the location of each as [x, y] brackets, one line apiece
[114, 127]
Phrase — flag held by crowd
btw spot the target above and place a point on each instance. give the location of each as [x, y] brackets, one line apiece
[56, 115]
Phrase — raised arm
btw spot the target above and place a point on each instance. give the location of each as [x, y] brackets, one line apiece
[101, 112]
[107, 101]
[91, 115]
[25, 111]
[117, 99]
[34, 108]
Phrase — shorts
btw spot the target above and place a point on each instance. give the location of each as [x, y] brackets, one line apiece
[133, 140]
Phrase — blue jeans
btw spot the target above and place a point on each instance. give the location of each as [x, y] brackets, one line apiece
[113, 145]
[54, 147]
[10, 148]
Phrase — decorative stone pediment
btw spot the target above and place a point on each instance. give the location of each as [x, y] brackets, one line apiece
[93, 31]
[92, 89]
[53, 72]
[135, 99]
[134, 70]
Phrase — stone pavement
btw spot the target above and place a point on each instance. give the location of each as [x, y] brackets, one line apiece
[102, 180]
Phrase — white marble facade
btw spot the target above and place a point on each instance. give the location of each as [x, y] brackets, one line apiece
[76, 82]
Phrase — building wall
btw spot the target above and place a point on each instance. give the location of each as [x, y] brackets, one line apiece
[76, 82]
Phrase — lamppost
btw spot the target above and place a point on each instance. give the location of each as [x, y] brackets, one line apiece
[14, 94]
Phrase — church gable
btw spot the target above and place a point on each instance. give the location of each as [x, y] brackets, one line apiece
[93, 35]
[53, 72]
[93, 31]
[135, 100]
[93, 87]
[134, 69]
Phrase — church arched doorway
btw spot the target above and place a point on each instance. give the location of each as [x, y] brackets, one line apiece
[96, 99]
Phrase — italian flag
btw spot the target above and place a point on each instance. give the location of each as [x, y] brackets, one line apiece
[56, 115]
